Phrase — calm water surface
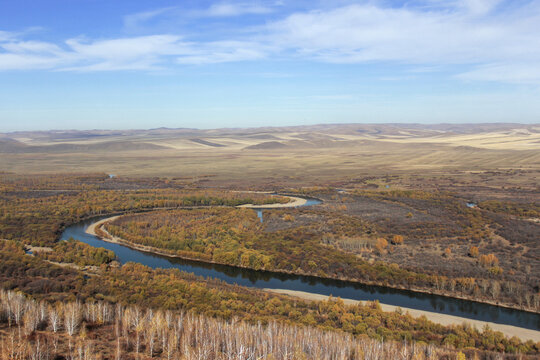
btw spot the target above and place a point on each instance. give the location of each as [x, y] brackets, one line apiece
[337, 288]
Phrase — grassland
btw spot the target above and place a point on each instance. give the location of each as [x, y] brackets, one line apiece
[270, 157]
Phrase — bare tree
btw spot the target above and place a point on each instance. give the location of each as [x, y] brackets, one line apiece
[31, 318]
[188, 336]
[150, 331]
[172, 344]
[17, 304]
[54, 317]
[118, 349]
[72, 317]
[495, 289]
[43, 313]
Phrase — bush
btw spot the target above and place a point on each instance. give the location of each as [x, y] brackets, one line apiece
[474, 252]
[381, 245]
[288, 217]
[397, 240]
[489, 260]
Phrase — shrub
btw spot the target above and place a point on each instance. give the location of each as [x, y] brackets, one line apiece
[474, 252]
[489, 260]
[381, 245]
[288, 217]
[397, 239]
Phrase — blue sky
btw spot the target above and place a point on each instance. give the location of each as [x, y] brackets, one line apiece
[87, 64]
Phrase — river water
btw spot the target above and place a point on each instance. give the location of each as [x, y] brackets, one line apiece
[337, 288]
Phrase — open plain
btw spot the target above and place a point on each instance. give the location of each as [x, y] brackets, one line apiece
[269, 157]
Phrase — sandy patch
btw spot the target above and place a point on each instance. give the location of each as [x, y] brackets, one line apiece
[92, 228]
[443, 319]
[294, 202]
[35, 249]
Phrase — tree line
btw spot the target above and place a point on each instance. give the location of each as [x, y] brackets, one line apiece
[174, 290]
[34, 211]
[99, 330]
[236, 237]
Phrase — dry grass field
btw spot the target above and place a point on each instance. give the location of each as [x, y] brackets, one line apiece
[265, 157]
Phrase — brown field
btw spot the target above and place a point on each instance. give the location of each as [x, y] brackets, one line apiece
[292, 156]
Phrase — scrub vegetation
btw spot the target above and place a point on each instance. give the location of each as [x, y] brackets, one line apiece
[34, 209]
[439, 210]
[342, 241]
[61, 290]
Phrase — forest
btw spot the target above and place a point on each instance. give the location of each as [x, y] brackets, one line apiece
[100, 330]
[173, 290]
[322, 248]
[75, 252]
[320, 241]
[35, 209]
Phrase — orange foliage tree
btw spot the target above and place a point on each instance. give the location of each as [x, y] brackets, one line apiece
[397, 239]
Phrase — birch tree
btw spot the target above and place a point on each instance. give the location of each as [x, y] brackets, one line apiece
[72, 318]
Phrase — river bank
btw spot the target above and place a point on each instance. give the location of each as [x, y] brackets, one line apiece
[294, 202]
[440, 318]
[443, 319]
[91, 230]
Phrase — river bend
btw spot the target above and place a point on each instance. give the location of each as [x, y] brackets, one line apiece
[337, 288]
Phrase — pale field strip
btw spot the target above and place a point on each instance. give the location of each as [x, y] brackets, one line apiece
[313, 155]
[516, 139]
[495, 141]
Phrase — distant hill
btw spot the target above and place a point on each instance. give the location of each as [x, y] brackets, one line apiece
[16, 147]
[267, 145]
[272, 154]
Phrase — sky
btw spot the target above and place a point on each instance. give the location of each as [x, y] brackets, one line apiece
[111, 64]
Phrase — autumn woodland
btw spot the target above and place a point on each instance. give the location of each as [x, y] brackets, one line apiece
[445, 231]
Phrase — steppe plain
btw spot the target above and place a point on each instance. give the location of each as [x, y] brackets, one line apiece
[266, 157]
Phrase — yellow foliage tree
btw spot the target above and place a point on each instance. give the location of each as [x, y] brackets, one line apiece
[381, 245]
[397, 239]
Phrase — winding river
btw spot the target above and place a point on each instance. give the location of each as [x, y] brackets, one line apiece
[337, 288]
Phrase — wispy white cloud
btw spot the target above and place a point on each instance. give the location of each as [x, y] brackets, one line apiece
[367, 33]
[519, 73]
[475, 7]
[5, 36]
[236, 9]
[133, 21]
[128, 48]
[224, 51]
[494, 45]
[175, 14]
[463, 32]
[132, 53]
[12, 61]
[39, 47]
[16, 54]
[481, 6]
